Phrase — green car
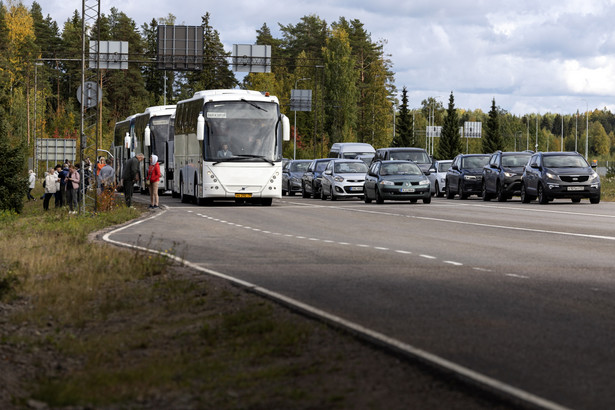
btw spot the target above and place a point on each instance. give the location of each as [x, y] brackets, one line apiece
[397, 181]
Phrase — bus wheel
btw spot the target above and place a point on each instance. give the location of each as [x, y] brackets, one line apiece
[182, 195]
[266, 201]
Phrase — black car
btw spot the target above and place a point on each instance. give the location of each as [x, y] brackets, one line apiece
[550, 175]
[465, 176]
[311, 179]
[292, 173]
[502, 175]
[397, 181]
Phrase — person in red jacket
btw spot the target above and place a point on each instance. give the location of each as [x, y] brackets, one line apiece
[153, 176]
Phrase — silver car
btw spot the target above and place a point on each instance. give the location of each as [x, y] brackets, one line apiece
[343, 178]
[438, 177]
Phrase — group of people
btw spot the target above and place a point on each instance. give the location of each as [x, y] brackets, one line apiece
[64, 182]
[131, 174]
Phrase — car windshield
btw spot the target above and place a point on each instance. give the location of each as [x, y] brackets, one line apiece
[515, 160]
[400, 169]
[320, 166]
[444, 166]
[564, 161]
[299, 166]
[353, 155]
[474, 162]
[350, 168]
[419, 157]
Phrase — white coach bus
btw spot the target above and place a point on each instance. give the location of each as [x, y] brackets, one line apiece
[228, 146]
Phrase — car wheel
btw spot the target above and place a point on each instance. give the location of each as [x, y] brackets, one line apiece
[316, 194]
[427, 200]
[379, 199]
[462, 192]
[501, 195]
[333, 197]
[366, 198]
[525, 198]
[542, 195]
[486, 196]
[575, 200]
[322, 193]
[594, 200]
[439, 193]
[447, 189]
[304, 193]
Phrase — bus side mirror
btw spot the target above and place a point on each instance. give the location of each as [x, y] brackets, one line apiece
[147, 136]
[200, 127]
[285, 128]
[127, 141]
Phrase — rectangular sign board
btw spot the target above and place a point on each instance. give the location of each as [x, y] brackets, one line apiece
[472, 129]
[301, 100]
[56, 149]
[109, 55]
[252, 58]
[433, 132]
[180, 48]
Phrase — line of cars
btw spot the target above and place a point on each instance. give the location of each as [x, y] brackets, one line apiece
[410, 174]
[542, 175]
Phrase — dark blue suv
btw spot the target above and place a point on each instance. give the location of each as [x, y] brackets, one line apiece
[550, 175]
[502, 175]
[311, 179]
[465, 176]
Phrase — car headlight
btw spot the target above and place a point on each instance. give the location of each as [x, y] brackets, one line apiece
[385, 182]
[338, 179]
[594, 176]
[549, 175]
[509, 174]
[424, 182]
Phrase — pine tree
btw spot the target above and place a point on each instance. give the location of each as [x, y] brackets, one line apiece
[450, 141]
[492, 139]
[405, 128]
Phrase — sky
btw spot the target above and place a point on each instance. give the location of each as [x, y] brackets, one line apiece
[531, 56]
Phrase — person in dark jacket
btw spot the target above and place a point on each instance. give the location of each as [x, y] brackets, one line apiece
[130, 175]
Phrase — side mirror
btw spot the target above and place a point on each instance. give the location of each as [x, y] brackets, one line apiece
[200, 127]
[427, 173]
[147, 136]
[535, 166]
[493, 165]
[285, 128]
[455, 167]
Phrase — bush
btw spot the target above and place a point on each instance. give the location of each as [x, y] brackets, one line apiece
[13, 179]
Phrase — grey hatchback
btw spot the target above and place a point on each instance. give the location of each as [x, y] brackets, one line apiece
[550, 175]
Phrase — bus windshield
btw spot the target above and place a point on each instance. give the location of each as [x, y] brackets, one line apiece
[241, 130]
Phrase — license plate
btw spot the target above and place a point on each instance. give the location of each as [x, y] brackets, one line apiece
[576, 188]
[407, 190]
[355, 188]
[243, 195]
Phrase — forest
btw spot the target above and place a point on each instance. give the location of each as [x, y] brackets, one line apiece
[351, 78]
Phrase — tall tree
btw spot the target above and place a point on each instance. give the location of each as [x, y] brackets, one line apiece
[492, 138]
[404, 135]
[13, 182]
[157, 82]
[340, 83]
[450, 141]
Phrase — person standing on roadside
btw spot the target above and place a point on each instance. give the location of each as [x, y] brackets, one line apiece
[57, 194]
[31, 184]
[153, 176]
[62, 174]
[106, 176]
[72, 188]
[130, 175]
[50, 187]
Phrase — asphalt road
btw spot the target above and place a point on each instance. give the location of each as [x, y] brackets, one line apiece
[521, 293]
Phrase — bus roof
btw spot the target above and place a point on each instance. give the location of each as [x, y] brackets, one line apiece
[233, 95]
